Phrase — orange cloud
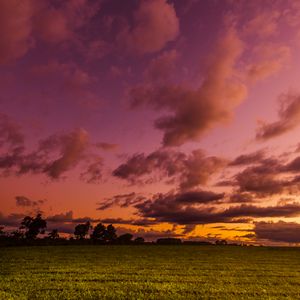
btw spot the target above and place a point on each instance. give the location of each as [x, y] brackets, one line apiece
[289, 118]
[155, 24]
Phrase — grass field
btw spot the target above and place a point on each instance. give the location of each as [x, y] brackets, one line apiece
[149, 272]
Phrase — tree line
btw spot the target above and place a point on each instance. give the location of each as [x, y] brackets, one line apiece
[33, 231]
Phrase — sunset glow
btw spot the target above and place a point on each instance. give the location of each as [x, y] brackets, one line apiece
[165, 118]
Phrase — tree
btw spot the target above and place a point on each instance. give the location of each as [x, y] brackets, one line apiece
[139, 240]
[81, 230]
[125, 238]
[33, 226]
[53, 235]
[17, 235]
[110, 233]
[98, 232]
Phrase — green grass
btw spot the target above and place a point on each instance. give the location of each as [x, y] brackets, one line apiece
[149, 272]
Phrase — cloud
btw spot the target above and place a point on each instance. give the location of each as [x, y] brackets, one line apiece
[11, 220]
[193, 112]
[122, 200]
[11, 135]
[26, 202]
[165, 209]
[188, 170]
[72, 149]
[54, 156]
[289, 118]
[241, 198]
[15, 29]
[293, 166]
[247, 159]
[154, 25]
[265, 176]
[93, 173]
[24, 23]
[264, 24]
[161, 67]
[288, 232]
[271, 59]
[107, 146]
[260, 180]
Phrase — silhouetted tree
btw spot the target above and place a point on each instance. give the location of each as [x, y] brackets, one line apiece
[110, 234]
[139, 240]
[53, 235]
[33, 226]
[17, 235]
[81, 230]
[98, 232]
[125, 238]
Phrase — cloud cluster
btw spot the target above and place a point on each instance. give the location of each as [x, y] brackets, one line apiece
[122, 200]
[189, 171]
[247, 159]
[54, 156]
[289, 118]
[280, 231]
[193, 112]
[155, 24]
[26, 202]
[29, 24]
[163, 208]
[265, 176]
[25, 23]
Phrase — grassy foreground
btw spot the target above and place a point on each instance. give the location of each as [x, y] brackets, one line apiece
[149, 272]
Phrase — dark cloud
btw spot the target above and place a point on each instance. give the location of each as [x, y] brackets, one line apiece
[241, 198]
[154, 25]
[247, 159]
[54, 155]
[262, 179]
[11, 220]
[165, 208]
[26, 202]
[189, 170]
[93, 172]
[136, 222]
[293, 166]
[72, 148]
[288, 232]
[193, 112]
[289, 118]
[123, 200]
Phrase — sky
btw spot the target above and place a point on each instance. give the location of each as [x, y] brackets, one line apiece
[167, 118]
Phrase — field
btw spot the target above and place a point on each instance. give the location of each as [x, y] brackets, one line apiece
[149, 272]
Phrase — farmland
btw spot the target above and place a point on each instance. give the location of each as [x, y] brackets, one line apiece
[149, 272]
